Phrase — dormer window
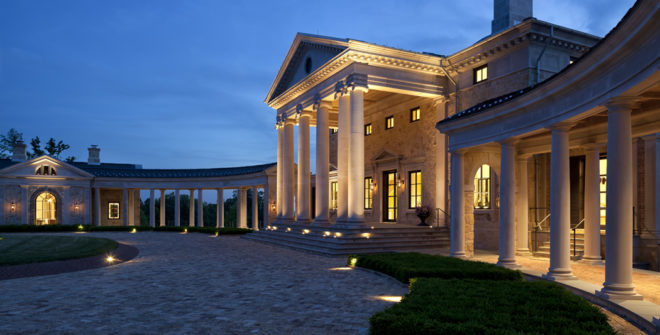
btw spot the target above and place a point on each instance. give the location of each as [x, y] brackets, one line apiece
[46, 170]
[480, 73]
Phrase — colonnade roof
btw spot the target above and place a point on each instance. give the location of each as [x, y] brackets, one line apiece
[112, 170]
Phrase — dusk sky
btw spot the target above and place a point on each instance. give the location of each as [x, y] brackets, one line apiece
[181, 84]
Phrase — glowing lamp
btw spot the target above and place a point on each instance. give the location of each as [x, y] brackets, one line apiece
[327, 233]
[110, 259]
[288, 228]
[80, 227]
[13, 206]
[353, 261]
[366, 235]
[185, 230]
[133, 230]
[305, 231]
[337, 234]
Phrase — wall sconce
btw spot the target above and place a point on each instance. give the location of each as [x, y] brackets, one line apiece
[13, 206]
[272, 207]
[400, 183]
[374, 187]
[76, 207]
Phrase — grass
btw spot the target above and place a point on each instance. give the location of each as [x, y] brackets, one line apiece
[468, 306]
[35, 249]
[405, 266]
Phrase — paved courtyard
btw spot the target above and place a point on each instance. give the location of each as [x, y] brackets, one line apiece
[193, 283]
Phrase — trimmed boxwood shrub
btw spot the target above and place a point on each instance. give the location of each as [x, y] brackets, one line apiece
[404, 266]
[25, 228]
[468, 306]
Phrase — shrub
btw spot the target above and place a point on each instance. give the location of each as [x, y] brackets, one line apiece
[71, 228]
[468, 306]
[25, 228]
[404, 266]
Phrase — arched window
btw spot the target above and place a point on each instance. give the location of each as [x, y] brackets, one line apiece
[482, 187]
[46, 170]
[45, 209]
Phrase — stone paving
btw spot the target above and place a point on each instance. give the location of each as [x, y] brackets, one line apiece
[193, 283]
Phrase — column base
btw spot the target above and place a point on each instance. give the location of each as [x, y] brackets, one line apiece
[458, 254]
[523, 252]
[303, 222]
[559, 274]
[592, 260]
[508, 263]
[321, 223]
[618, 292]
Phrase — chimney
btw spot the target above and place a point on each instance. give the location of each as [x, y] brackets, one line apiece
[19, 154]
[94, 155]
[508, 13]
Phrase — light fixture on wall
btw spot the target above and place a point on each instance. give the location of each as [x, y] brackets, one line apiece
[400, 183]
[374, 186]
[76, 207]
[272, 207]
[13, 206]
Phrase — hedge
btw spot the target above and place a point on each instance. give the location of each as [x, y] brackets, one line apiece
[468, 306]
[404, 266]
[70, 228]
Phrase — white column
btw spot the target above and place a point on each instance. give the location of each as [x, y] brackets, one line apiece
[191, 207]
[457, 247]
[304, 187]
[131, 207]
[88, 206]
[200, 208]
[592, 205]
[287, 171]
[322, 163]
[560, 201]
[162, 208]
[255, 209]
[124, 210]
[356, 160]
[279, 199]
[522, 207]
[177, 208]
[152, 208]
[657, 193]
[97, 206]
[266, 208]
[618, 235]
[507, 243]
[218, 208]
[343, 149]
[221, 213]
[242, 207]
[650, 209]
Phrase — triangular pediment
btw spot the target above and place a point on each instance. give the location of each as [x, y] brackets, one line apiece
[307, 54]
[386, 155]
[44, 167]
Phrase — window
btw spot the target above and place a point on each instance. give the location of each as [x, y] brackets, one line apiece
[415, 189]
[390, 179]
[389, 122]
[113, 210]
[46, 170]
[482, 187]
[45, 207]
[368, 129]
[603, 189]
[481, 73]
[333, 130]
[415, 114]
[368, 200]
[333, 195]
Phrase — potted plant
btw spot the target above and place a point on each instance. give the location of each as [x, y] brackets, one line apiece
[423, 213]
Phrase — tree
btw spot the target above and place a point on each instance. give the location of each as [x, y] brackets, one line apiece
[55, 149]
[35, 143]
[7, 142]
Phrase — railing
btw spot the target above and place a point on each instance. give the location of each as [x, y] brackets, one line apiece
[437, 216]
[538, 227]
[581, 223]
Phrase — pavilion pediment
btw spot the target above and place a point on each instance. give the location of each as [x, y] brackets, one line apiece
[385, 156]
[44, 167]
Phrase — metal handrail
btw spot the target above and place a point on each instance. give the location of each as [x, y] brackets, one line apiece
[536, 230]
[538, 225]
[437, 216]
[574, 236]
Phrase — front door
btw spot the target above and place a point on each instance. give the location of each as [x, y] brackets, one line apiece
[45, 209]
[389, 195]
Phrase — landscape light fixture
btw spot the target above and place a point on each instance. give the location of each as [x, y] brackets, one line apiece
[110, 259]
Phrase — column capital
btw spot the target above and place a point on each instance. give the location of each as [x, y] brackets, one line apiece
[357, 81]
[622, 104]
[561, 126]
[459, 152]
[592, 147]
[340, 89]
[523, 157]
[509, 141]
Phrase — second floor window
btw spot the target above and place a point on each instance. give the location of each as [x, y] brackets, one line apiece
[481, 73]
[389, 122]
[368, 129]
[415, 114]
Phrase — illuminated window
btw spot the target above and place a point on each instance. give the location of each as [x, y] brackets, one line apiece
[368, 200]
[113, 210]
[482, 187]
[481, 73]
[368, 129]
[46, 170]
[45, 209]
[603, 189]
[333, 130]
[390, 179]
[333, 195]
[415, 114]
[415, 189]
[389, 122]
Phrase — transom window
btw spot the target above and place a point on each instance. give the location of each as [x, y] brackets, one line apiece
[482, 187]
[113, 210]
[415, 114]
[415, 189]
[368, 129]
[46, 170]
[389, 122]
[333, 195]
[368, 200]
[481, 73]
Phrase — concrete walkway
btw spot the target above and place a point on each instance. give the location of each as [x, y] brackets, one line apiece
[193, 283]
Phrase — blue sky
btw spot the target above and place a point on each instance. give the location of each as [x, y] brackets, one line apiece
[181, 84]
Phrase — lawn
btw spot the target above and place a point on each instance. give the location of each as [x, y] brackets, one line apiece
[22, 249]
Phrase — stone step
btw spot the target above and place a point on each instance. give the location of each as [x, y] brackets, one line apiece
[340, 242]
